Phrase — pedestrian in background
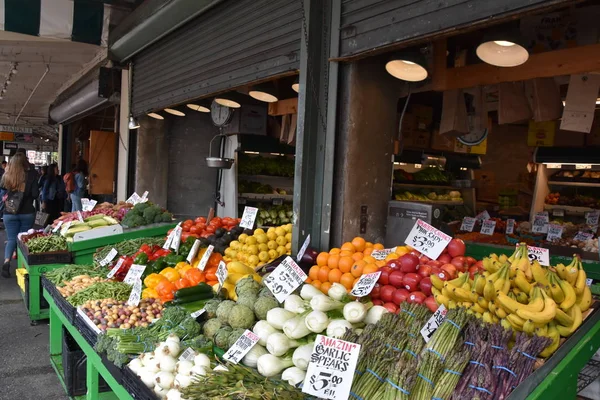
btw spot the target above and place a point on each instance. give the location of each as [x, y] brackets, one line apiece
[21, 185]
[52, 193]
[80, 172]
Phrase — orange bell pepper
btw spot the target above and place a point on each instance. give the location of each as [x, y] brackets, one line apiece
[182, 283]
[153, 279]
[214, 260]
[194, 276]
[165, 288]
[171, 274]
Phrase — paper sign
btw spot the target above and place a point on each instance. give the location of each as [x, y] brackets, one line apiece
[482, 216]
[193, 251]
[136, 293]
[176, 238]
[88, 321]
[134, 199]
[591, 218]
[248, 217]
[554, 232]
[198, 313]
[365, 284]
[467, 224]
[79, 216]
[540, 224]
[144, 197]
[558, 212]
[241, 347]
[331, 368]
[47, 228]
[109, 257]
[135, 272]
[589, 281]
[221, 273]
[115, 268]
[57, 227]
[169, 240]
[580, 103]
[428, 240]
[433, 323]
[382, 254]
[205, 257]
[87, 204]
[583, 236]
[539, 254]
[488, 227]
[188, 354]
[510, 226]
[285, 279]
[303, 248]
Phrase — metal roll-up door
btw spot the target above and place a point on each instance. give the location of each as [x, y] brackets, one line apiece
[232, 44]
[367, 25]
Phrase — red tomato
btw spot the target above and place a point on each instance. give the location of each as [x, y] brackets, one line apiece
[184, 236]
[425, 286]
[416, 297]
[386, 293]
[186, 227]
[411, 281]
[431, 304]
[210, 229]
[376, 292]
[395, 279]
[194, 229]
[188, 222]
[391, 307]
[400, 296]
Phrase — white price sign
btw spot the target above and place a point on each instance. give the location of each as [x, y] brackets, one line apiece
[468, 224]
[193, 251]
[541, 255]
[540, 224]
[197, 313]
[589, 281]
[488, 227]
[433, 323]
[135, 272]
[365, 284]
[115, 268]
[285, 279]
[205, 257]
[591, 218]
[554, 232]
[583, 236]
[510, 226]
[303, 248]
[221, 273]
[382, 254]
[482, 216]
[331, 368]
[169, 240]
[57, 227]
[109, 257]
[79, 216]
[428, 240]
[136, 293]
[87, 204]
[144, 197]
[241, 347]
[176, 238]
[134, 199]
[248, 217]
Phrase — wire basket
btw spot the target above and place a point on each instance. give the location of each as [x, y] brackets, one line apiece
[588, 374]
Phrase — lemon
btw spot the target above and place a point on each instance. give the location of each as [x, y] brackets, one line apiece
[281, 241]
[288, 228]
[242, 238]
[271, 229]
[288, 237]
[253, 260]
[263, 256]
[239, 256]
[273, 254]
[263, 247]
[281, 250]
[288, 246]
[245, 248]
[280, 231]
[260, 264]
[272, 245]
[253, 249]
[233, 254]
[258, 232]
[271, 235]
[262, 238]
[251, 240]
[235, 245]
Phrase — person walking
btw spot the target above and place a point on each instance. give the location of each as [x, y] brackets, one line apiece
[70, 186]
[20, 182]
[81, 173]
[52, 193]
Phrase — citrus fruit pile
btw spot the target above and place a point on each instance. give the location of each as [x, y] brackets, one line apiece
[261, 247]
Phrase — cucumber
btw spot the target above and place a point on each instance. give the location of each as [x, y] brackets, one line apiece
[192, 298]
[194, 305]
[202, 288]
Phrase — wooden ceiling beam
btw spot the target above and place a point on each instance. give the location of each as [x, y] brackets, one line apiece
[283, 107]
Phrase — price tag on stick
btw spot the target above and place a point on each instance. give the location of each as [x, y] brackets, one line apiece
[57, 227]
[193, 252]
[115, 268]
[488, 227]
[510, 226]
[540, 224]
[285, 279]
[428, 240]
[241, 347]
[382, 254]
[433, 323]
[176, 238]
[109, 257]
[249, 217]
[540, 254]
[482, 216]
[221, 273]
[365, 284]
[197, 313]
[135, 272]
[467, 224]
[331, 368]
[169, 240]
[303, 249]
[591, 218]
[583, 236]
[79, 216]
[554, 232]
[136, 293]
[205, 257]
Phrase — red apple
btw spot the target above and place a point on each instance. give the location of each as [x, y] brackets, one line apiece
[450, 270]
[400, 296]
[384, 277]
[393, 264]
[425, 286]
[435, 263]
[386, 293]
[409, 263]
[396, 279]
[391, 307]
[460, 263]
[415, 253]
[424, 259]
[470, 260]
[377, 302]
[411, 281]
[444, 258]
[424, 270]
[416, 297]
[456, 247]
[376, 292]
[431, 304]
[443, 275]
[479, 264]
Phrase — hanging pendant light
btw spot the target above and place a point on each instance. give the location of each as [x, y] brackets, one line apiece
[155, 115]
[407, 66]
[296, 85]
[231, 99]
[173, 111]
[264, 92]
[202, 106]
[503, 47]
[133, 122]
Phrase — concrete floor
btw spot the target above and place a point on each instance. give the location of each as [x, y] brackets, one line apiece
[25, 370]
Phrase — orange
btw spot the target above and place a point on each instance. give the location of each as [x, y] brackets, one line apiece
[335, 275]
[378, 246]
[347, 280]
[357, 268]
[323, 274]
[368, 251]
[345, 263]
[391, 256]
[380, 263]
[357, 256]
[369, 259]
[346, 253]
[348, 246]
[402, 250]
[325, 286]
[313, 273]
[335, 250]
[368, 244]
[322, 259]
[308, 280]
[316, 284]
[359, 243]
[369, 269]
[333, 261]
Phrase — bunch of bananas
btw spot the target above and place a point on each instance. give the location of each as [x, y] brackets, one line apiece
[522, 295]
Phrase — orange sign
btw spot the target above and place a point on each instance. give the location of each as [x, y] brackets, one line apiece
[7, 136]
[541, 133]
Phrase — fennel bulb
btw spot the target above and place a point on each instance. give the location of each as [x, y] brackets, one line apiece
[337, 328]
[276, 317]
[293, 375]
[295, 328]
[269, 365]
[316, 321]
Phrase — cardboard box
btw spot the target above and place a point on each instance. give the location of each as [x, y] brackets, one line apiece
[485, 182]
[411, 136]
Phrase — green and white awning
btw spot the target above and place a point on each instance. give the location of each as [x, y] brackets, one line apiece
[76, 20]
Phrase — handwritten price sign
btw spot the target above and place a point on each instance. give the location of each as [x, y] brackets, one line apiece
[241, 347]
[248, 217]
[467, 224]
[428, 240]
[285, 279]
[510, 226]
[434, 323]
[554, 232]
[591, 218]
[488, 227]
[365, 284]
[541, 255]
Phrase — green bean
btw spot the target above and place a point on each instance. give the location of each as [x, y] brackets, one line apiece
[102, 290]
[44, 244]
[68, 272]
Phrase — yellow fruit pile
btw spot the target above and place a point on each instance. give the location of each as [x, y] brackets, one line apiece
[262, 247]
[235, 272]
[522, 296]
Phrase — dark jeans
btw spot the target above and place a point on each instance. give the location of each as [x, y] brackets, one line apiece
[15, 224]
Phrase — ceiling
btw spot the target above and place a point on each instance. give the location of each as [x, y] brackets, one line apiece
[64, 60]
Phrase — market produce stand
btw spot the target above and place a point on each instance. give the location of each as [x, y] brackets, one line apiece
[94, 366]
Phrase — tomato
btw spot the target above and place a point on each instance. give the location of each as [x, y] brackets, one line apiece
[201, 226]
[186, 227]
[416, 297]
[431, 304]
[194, 229]
[391, 307]
[200, 220]
[399, 296]
[376, 292]
[184, 236]
[470, 260]
[210, 229]
[386, 293]
[188, 222]
[395, 279]
[217, 221]
[411, 281]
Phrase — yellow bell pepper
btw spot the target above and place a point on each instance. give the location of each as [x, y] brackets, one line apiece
[149, 294]
[182, 267]
[171, 274]
[153, 279]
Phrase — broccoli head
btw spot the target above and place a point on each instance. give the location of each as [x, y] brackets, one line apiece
[132, 220]
[211, 327]
[221, 338]
[241, 317]
[167, 217]
[151, 212]
[158, 218]
[140, 207]
[263, 305]
[224, 310]
[234, 336]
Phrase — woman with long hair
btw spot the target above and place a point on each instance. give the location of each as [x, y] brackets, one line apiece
[19, 177]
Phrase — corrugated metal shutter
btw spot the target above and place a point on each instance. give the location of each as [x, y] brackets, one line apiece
[370, 24]
[230, 45]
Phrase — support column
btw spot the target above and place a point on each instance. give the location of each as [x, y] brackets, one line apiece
[123, 142]
[60, 149]
[152, 161]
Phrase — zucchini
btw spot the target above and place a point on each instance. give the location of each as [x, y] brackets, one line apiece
[194, 305]
[192, 298]
[202, 288]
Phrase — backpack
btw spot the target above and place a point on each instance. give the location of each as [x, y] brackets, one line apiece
[69, 180]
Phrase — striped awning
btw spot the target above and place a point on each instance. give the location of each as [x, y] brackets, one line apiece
[76, 20]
